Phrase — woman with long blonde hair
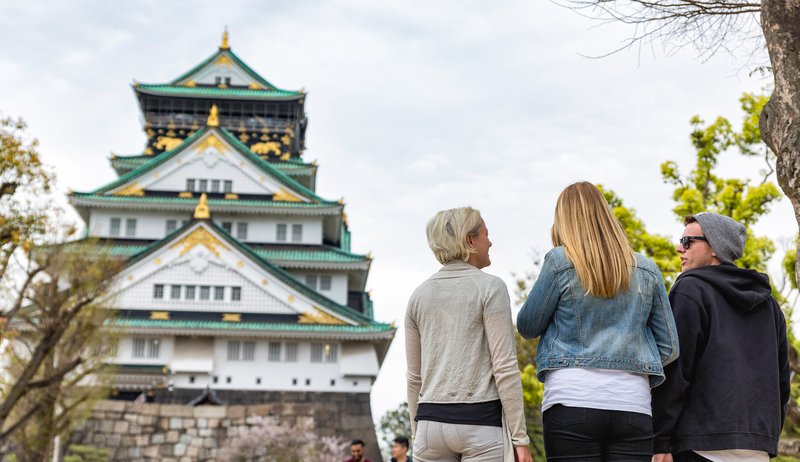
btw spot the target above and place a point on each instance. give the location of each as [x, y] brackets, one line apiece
[606, 331]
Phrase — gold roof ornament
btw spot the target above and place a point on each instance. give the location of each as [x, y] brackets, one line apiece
[224, 45]
[213, 116]
[202, 212]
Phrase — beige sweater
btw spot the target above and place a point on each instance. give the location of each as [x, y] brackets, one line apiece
[460, 344]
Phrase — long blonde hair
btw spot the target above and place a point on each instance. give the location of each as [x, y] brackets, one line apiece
[594, 240]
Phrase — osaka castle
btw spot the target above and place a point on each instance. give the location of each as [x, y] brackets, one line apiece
[238, 278]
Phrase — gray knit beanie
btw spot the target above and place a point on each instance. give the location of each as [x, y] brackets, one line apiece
[725, 235]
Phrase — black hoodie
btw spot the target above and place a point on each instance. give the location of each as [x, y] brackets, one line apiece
[730, 385]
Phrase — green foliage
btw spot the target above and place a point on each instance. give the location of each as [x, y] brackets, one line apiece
[396, 422]
[79, 453]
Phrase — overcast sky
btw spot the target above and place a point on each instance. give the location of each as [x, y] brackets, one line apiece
[414, 106]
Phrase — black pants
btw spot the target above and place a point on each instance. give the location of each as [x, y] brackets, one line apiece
[579, 434]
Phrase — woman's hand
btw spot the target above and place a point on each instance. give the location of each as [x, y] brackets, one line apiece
[522, 454]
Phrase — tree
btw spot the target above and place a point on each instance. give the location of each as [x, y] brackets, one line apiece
[50, 322]
[396, 422]
[717, 25]
[269, 442]
[702, 189]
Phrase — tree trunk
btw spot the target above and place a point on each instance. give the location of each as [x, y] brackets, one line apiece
[780, 118]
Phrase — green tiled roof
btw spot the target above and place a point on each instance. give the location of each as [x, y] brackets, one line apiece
[374, 327]
[328, 255]
[216, 92]
[124, 164]
[282, 178]
[192, 201]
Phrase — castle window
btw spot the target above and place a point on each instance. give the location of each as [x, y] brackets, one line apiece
[274, 351]
[191, 379]
[297, 233]
[205, 293]
[203, 187]
[294, 381]
[227, 186]
[190, 184]
[115, 226]
[258, 380]
[219, 293]
[217, 80]
[333, 382]
[227, 81]
[158, 291]
[148, 346]
[280, 233]
[175, 292]
[323, 353]
[248, 351]
[214, 186]
[311, 281]
[236, 294]
[227, 226]
[233, 350]
[241, 230]
[324, 282]
[172, 225]
[190, 290]
[291, 352]
[130, 226]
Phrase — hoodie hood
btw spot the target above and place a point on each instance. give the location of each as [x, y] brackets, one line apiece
[743, 289]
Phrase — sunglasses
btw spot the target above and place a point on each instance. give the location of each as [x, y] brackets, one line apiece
[686, 241]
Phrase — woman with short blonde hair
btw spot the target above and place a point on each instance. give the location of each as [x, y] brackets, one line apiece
[464, 388]
[606, 332]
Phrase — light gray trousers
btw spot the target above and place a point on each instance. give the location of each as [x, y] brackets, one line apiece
[444, 442]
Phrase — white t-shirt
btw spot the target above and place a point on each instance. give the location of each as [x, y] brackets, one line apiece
[606, 389]
[735, 455]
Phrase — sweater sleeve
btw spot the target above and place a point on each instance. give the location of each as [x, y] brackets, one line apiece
[413, 364]
[669, 398]
[783, 362]
[503, 351]
[662, 324]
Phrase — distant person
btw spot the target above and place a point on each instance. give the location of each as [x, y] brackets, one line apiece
[606, 331]
[464, 388]
[357, 452]
[725, 397]
[400, 450]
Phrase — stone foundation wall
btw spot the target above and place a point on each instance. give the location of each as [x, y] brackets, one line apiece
[180, 433]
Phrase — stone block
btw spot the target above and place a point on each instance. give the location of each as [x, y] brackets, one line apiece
[176, 410]
[217, 412]
[202, 423]
[157, 438]
[133, 452]
[121, 426]
[175, 423]
[172, 437]
[188, 423]
[185, 439]
[109, 405]
[180, 449]
[236, 412]
[205, 432]
[145, 420]
[258, 409]
[151, 409]
[142, 440]
[163, 423]
[151, 452]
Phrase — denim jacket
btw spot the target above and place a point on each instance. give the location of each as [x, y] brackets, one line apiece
[634, 331]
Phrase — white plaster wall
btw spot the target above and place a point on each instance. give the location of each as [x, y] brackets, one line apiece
[125, 351]
[254, 298]
[149, 225]
[238, 76]
[228, 167]
[264, 230]
[153, 225]
[338, 292]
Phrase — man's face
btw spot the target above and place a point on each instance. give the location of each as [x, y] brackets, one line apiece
[357, 451]
[699, 252]
[398, 450]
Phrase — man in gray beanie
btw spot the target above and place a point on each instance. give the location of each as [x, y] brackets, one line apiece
[725, 397]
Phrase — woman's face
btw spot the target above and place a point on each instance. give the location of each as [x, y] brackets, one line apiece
[481, 244]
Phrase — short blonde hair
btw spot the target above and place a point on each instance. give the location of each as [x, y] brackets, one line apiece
[447, 233]
[594, 240]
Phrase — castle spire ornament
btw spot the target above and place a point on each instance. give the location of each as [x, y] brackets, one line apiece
[202, 212]
[225, 45]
